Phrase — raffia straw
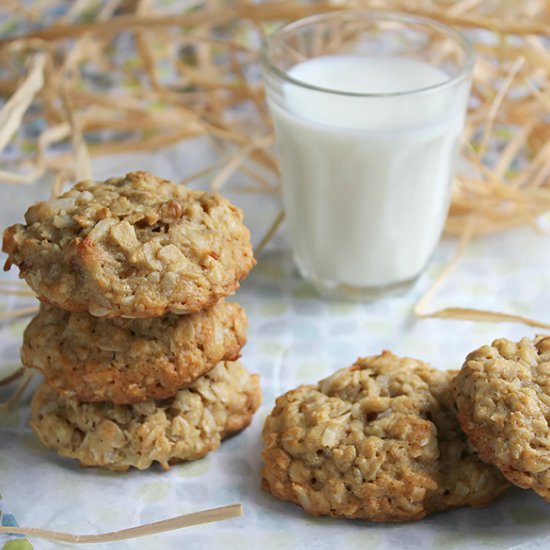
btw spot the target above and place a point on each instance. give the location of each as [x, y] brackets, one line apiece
[51, 135]
[14, 178]
[495, 106]
[120, 23]
[13, 282]
[82, 156]
[11, 114]
[513, 148]
[26, 378]
[458, 8]
[484, 316]
[236, 160]
[12, 377]
[188, 520]
[542, 176]
[202, 172]
[23, 312]
[421, 305]
[262, 183]
[275, 9]
[145, 144]
[262, 156]
[460, 313]
[57, 185]
[270, 233]
[529, 174]
[75, 9]
[17, 292]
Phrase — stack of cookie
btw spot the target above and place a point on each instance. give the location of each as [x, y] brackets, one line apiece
[136, 344]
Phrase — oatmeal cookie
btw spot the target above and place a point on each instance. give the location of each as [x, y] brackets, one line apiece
[129, 360]
[137, 246]
[378, 441]
[503, 399]
[185, 427]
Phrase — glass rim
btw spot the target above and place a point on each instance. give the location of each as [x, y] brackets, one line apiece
[458, 36]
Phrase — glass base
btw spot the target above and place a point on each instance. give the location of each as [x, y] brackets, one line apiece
[340, 291]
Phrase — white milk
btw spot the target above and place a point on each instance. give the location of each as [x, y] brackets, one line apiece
[366, 180]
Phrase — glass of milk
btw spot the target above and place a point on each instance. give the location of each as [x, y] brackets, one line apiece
[368, 111]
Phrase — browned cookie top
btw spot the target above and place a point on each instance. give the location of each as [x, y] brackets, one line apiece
[128, 360]
[503, 399]
[137, 246]
[378, 441]
[117, 437]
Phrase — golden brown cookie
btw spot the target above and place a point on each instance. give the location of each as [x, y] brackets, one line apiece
[378, 441]
[137, 246]
[184, 427]
[503, 399]
[92, 359]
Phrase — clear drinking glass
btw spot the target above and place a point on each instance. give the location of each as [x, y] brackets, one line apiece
[368, 111]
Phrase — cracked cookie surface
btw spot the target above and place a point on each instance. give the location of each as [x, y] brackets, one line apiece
[378, 441]
[503, 398]
[129, 360]
[136, 246]
[116, 437]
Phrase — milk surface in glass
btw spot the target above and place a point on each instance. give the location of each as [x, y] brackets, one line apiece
[366, 179]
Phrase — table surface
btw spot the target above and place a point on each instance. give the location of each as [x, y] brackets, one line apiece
[294, 338]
